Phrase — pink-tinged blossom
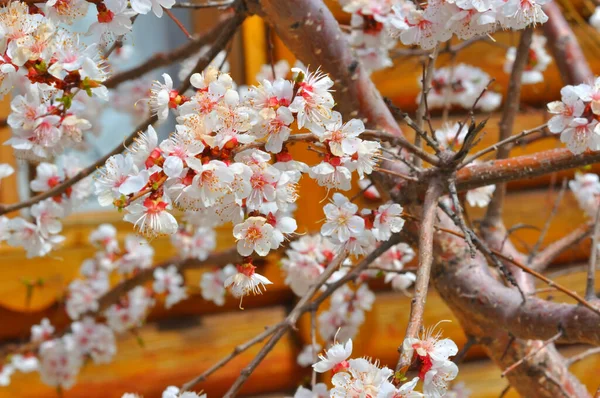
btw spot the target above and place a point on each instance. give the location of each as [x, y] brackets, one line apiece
[179, 149]
[198, 243]
[246, 281]
[313, 102]
[131, 311]
[138, 255]
[94, 339]
[308, 355]
[211, 182]
[435, 383]
[42, 332]
[47, 216]
[342, 138]
[320, 390]
[60, 361]
[151, 217]
[363, 378]
[119, 177]
[160, 97]
[170, 281]
[569, 108]
[387, 221]
[143, 147]
[112, 21]
[335, 358]
[581, 134]
[449, 136]
[255, 235]
[212, 284]
[480, 197]
[144, 6]
[332, 174]
[82, 298]
[342, 221]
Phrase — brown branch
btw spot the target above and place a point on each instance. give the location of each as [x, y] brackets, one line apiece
[417, 305]
[582, 356]
[522, 167]
[220, 42]
[178, 23]
[163, 59]
[567, 53]
[422, 108]
[493, 215]
[544, 258]
[590, 290]
[531, 354]
[546, 227]
[311, 32]
[208, 4]
[512, 139]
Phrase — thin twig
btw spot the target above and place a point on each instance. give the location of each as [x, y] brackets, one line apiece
[532, 353]
[459, 214]
[178, 23]
[458, 358]
[208, 4]
[223, 361]
[421, 110]
[546, 256]
[546, 227]
[590, 288]
[581, 356]
[496, 146]
[511, 106]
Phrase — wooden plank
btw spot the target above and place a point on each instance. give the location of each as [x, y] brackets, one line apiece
[175, 352]
[527, 207]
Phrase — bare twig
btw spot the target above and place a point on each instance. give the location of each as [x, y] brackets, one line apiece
[546, 256]
[581, 356]
[546, 227]
[590, 289]
[494, 147]
[417, 304]
[208, 4]
[459, 214]
[178, 23]
[567, 53]
[511, 106]
[163, 59]
[421, 110]
[532, 353]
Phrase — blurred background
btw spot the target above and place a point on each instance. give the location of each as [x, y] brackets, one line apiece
[182, 343]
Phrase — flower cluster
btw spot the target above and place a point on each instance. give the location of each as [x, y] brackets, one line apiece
[376, 25]
[364, 377]
[538, 60]
[432, 355]
[586, 188]
[39, 233]
[170, 392]
[213, 165]
[55, 71]
[437, 21]
[576, 117]
[462, 86]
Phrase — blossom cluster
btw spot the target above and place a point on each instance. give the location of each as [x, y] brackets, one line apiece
[376, 25]
[38, 232]
[55, 71]
[365, 377]
[586, 188]
[576, 117]
[538, 60]
[170, 392]
[462, 86]
[59, 356]
[213, 164]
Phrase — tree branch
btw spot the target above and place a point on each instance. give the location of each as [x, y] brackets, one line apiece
[417, 304]
[493, 215]
[567, 53]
